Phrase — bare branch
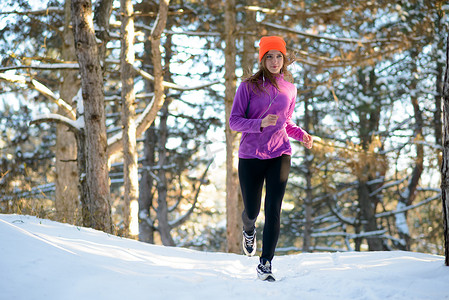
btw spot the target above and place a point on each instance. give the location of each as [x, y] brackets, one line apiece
[166, 31]
[52, 9]
[147, 117]
[328, 38]
[75, 66]
[350, 235]
[183, 218]
[173, 85]
[293, 12]
[44, 90]
[340, 217]
[75, 126]
[58, 66]
[407, 208]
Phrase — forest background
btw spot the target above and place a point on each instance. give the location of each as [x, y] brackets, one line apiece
[369, 78]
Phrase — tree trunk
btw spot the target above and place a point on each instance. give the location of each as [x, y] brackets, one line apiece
[368, 211]
[146, 226]
[146, 184]
[445, 163]
[98, 215]
[437, 113]
[66, 190]
[437, 117]
[162, 186]
[102, 15]
[369, 117]
[234, 203]
[308, 201]
[130, 167]
[156, 33]
[249, 50]
[408, 196]
[159, 26]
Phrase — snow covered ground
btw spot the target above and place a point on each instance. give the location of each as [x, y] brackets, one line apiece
[42, 259]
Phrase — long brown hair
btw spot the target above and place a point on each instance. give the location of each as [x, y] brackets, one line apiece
[264, 74]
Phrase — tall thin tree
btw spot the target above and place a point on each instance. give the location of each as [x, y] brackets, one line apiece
[308, 162]
[445, 163]
[156, 33]
[66, 181]
[130, 168]
[159, 95]
[233, 205]
[97, 197]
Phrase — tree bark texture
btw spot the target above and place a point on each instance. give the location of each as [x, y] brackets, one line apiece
[130, 167]
[249, 50]
[146, 184]
[368, 210]
[159, 98]
[445, 163]
[234, 203]
[164, 227]
[66, 182]
[408, 197]
[146, 195]
[369, 117]
[98, 213]
[156, 33]
[103, 11]
[308, 201]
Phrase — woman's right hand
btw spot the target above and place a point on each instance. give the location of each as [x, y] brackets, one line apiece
[269, 120]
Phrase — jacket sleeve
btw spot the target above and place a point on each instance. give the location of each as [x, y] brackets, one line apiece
[238, 121]
[293, 130]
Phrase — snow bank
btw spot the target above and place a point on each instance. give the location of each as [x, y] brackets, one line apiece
[41, 259]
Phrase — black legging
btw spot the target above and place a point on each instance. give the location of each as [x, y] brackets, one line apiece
[252, 174]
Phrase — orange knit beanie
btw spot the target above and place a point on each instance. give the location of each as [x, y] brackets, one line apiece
[268, 43]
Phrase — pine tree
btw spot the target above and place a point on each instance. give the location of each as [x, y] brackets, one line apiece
[445, 164]
[97, 212]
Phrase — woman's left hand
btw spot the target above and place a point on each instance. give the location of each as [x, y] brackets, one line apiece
[307, 140]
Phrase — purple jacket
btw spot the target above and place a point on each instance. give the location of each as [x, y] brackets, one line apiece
[271, 141]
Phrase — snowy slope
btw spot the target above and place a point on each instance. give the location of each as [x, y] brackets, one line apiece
[41, 259]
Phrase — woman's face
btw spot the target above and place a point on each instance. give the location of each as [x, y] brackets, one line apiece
[274, 61]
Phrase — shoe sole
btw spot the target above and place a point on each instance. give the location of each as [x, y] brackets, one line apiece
[266, 277]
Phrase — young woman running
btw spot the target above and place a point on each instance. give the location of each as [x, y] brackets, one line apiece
[262, 110]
